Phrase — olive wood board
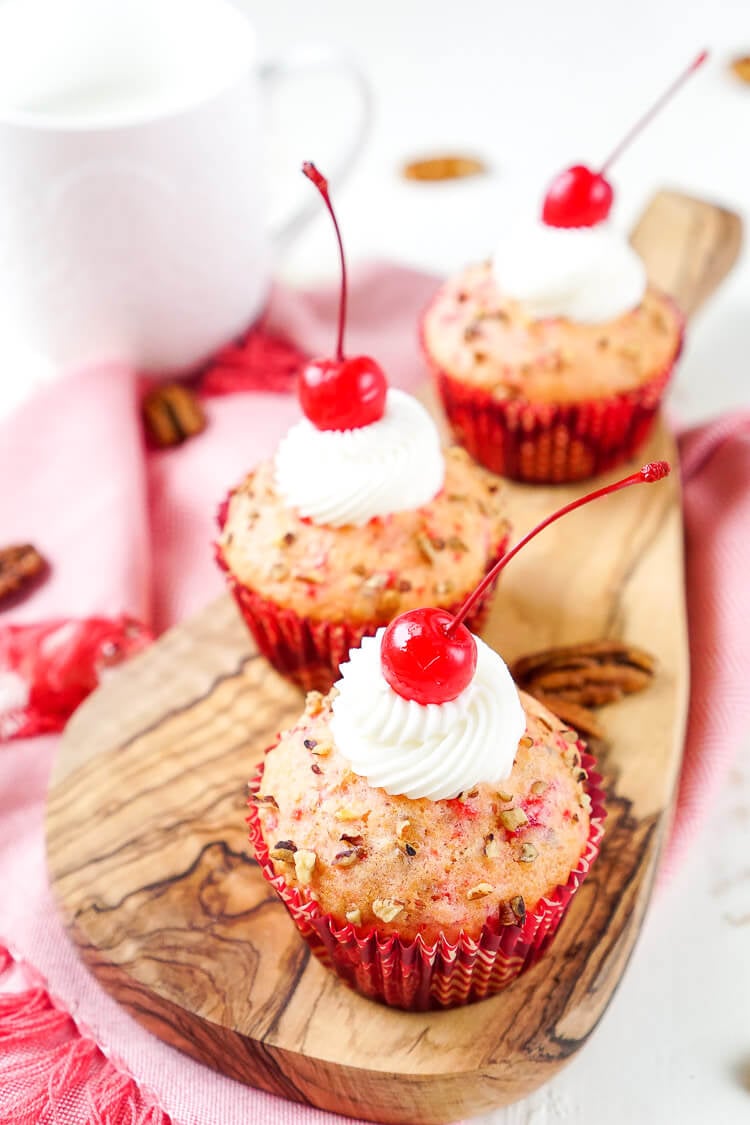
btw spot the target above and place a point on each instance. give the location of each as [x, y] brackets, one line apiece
[150, 864]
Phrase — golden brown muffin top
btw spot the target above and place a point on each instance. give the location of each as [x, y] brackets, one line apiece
[477, 335]
[420, 866]
[433, 555]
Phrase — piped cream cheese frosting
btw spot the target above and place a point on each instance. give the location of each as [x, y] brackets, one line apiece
[347, 477]
[432, 750]
[584, 274]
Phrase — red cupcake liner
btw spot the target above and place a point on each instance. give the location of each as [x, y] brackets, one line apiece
[417, 975]
[551, 443]
[307, 651]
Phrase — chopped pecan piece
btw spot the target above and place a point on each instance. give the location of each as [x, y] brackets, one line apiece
[348, 813]
[266, 799]
[348, 856]
[426, 547]
[278, 571]
[481, 890]
[389, 603]
[506, 915]
[518, 906]
[386, 909]
[304, 862]
[321, 749]
[528, 853]
[513, 819]
[571, 757]
[313, 703]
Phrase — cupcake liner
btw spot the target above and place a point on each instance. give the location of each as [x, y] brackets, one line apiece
[308, 651]
[551, 443]
[415, 975]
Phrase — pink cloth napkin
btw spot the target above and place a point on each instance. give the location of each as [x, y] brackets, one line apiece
[129, 531]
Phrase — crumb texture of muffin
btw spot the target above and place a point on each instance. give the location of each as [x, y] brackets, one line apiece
[365, 575]
[474, 333]
[419, 867]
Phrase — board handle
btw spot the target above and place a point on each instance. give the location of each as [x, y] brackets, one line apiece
[688, 246]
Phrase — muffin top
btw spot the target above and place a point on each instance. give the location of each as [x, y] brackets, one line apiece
[424, 867]
[434, 554]
[478, 335]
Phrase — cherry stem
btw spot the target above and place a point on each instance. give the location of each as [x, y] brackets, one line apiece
[655, 108]
[321, 184]
[655, 470]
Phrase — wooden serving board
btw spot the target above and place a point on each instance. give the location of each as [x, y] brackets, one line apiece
[149, 860]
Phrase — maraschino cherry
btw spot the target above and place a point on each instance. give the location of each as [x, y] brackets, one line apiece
[429, 656]
[340, 393]
[579, 197]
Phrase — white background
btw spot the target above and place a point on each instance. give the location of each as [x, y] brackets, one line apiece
[531, 88]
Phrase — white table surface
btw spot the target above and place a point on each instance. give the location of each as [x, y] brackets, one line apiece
[532, 88]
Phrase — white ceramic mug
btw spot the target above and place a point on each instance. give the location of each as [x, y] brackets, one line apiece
[132, 202]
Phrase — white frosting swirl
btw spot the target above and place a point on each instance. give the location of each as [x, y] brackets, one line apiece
[585, 274]
[433, 750]
[339, 477]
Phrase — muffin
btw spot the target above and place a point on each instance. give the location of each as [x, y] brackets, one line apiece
[427, 853]
[552, 359]
[345, 529]
[360, 515]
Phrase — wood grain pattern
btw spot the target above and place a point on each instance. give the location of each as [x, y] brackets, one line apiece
[149, 860]
[689, 246]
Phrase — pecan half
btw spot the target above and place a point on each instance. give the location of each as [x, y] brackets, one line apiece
[741, 68]
[19, 566]
[573, 678]
[171, 414]
[450, 167]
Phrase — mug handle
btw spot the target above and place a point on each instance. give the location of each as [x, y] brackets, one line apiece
[312, 57]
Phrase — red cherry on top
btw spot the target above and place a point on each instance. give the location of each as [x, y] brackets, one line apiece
[579, 197]
[340, 393]
[423, 661]
[429, 656]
